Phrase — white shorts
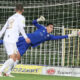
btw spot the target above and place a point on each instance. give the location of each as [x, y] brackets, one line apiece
[11, 48]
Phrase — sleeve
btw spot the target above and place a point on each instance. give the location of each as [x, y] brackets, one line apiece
[52, 37]
[21, 27]
[22, 22]
[37, 25]
[3, 30]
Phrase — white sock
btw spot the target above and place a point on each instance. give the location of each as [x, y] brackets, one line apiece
[7, 64]
[12, 66]
[17, 61]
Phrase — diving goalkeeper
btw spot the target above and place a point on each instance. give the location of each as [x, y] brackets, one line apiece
[41, 35]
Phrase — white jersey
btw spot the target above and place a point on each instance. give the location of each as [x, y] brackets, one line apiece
[13, 27]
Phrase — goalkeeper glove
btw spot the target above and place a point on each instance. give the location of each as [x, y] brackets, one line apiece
[74, 33]
[42, 18]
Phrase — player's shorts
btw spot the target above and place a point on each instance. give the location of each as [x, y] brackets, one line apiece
[11, 48]
[22, 46]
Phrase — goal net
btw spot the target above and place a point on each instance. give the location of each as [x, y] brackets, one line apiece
[62, 13]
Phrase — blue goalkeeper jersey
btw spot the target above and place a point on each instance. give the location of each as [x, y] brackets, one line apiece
[41, 35]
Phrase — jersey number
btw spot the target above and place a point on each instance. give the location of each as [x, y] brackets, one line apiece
[11, 23]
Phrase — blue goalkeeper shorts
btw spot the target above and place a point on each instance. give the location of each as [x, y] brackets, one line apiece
[22, 46]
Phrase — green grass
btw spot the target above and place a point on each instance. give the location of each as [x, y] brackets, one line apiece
[38, 77]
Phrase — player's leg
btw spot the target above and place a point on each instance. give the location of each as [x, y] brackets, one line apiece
[10, 48]
[22, 48]
[15, 63]
[9, 62]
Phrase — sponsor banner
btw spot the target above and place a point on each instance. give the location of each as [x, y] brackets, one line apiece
[61, 71]
[30, 69]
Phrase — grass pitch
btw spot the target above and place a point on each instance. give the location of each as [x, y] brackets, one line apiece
[37, 77]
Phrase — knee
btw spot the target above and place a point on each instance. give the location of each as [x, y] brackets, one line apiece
[18, 56]
[13, 56]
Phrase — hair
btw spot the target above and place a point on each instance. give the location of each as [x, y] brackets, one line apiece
[50, 24]
[19, 7]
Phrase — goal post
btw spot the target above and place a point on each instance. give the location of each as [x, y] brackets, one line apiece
[63, 47]
[70, 50]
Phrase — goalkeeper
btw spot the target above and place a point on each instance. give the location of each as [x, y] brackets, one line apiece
[41, 35]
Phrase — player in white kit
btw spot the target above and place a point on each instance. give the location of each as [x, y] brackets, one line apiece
[12, 29]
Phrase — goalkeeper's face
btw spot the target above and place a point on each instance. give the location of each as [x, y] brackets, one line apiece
[50, 28]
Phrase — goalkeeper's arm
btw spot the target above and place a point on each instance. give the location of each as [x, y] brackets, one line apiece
[42, 18]
[52, 37]
[35, 22]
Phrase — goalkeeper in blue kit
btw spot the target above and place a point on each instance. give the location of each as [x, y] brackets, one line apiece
[41, 35]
